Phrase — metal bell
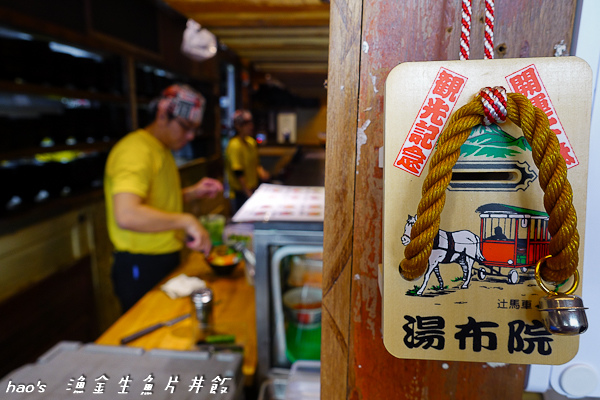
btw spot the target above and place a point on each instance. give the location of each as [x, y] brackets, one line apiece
[563, 314]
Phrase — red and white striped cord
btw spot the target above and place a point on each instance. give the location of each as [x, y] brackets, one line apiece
[489, 30]
[465, 31]
[494, 105]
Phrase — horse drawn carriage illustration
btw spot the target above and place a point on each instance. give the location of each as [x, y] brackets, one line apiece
[511, 237]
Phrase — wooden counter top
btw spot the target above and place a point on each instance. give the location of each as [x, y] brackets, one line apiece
[234, 313]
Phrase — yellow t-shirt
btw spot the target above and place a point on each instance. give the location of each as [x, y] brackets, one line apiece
[240, 157]
[140, 164]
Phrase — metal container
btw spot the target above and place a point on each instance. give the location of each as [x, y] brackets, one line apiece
[202, 299]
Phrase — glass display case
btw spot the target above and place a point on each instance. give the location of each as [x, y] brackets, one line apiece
[288, 243]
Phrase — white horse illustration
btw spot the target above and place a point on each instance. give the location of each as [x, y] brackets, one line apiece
[460, 247]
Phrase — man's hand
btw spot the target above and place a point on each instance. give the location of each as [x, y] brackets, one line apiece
[263, 174]
[132, 214]
[197, 237]
[206, 187]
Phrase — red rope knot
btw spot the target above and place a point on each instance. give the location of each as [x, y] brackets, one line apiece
[494, 105]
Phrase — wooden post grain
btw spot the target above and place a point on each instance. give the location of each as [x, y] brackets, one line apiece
[367, 39]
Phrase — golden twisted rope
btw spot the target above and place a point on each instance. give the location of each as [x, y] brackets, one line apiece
[558, 195]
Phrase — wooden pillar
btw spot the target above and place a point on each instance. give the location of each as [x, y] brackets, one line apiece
[367, 39]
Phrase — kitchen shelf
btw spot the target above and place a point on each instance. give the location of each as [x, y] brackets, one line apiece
[30, 152]
[43, 90]
[93, 94]
[18, 219]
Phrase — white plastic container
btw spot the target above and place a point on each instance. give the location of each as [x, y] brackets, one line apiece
[304, 382]
[303, 304]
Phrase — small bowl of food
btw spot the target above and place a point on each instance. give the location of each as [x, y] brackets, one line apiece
[223, 260]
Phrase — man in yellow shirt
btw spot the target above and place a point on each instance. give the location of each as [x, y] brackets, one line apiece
[144, 198]
[241, 160]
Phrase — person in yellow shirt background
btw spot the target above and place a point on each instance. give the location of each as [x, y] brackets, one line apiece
[144, 198]
[242, 163]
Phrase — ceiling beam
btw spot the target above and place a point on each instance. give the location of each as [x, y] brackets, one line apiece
[292, 68]
[260, 19]
[289, 38]
[274, 42]
[284, 55]
[217, 7]
[305, 31]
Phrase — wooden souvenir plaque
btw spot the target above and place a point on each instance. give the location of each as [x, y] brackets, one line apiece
[484, 307]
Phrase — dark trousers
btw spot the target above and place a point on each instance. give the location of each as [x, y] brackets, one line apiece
[134, 275]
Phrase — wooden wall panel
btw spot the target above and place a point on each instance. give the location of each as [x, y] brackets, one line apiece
[33, 253]
[107, 305]
[59, 307]
[530, 28]
[342, 95]
[355, 363]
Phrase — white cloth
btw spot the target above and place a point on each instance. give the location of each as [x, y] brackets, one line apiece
[182, 285]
